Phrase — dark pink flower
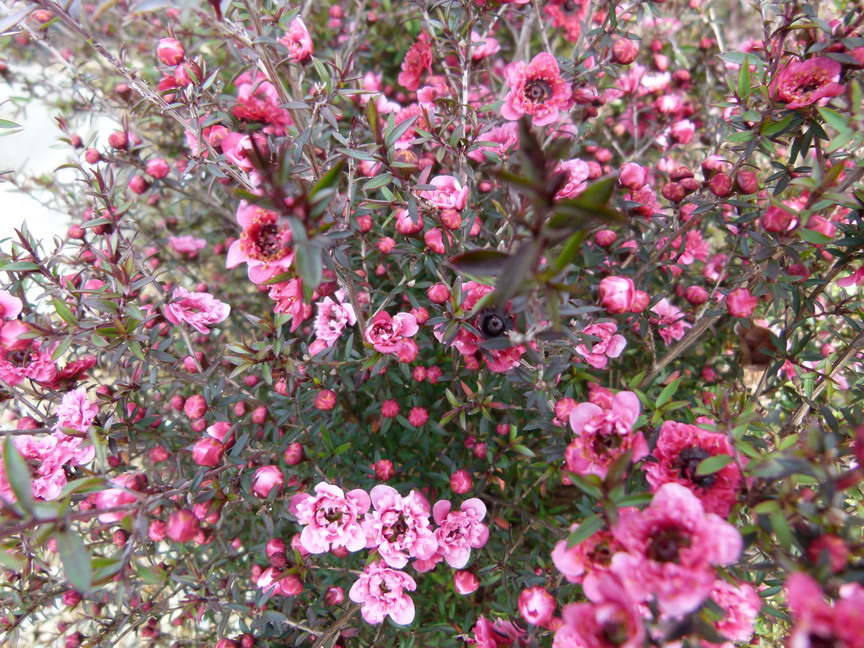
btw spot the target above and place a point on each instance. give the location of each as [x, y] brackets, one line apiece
[399, 526]
[740, 303]
[264, 245]
[381, 591]
[679, 451]
[671, 548]
[258, 101]
[418, 59]
[388, 334]
[802, 83]
[536, 89]
[669, 321]
[591, 556]
[331, 518]
[610, 620]
[818, 622]
[740, 604]
[569, 15]
[298, 41]
[197, 309]
[497, 634]
[289, 299]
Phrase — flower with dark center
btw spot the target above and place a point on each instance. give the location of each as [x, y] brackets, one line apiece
[666, 545]
[538, 90]
[493, 323]
[570, 7]
[688, 463]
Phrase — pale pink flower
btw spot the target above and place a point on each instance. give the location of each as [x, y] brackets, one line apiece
[332, 318]
[740, 303]
[242, 149]
[264, 245]
[75, 411]
[483, 46]
[10, 305]
[459, 531]
[298, 41]
[610, 344]
[503, 139]
[740, 604]
[289, 299]
[399, 526]
[258, 101]
[418, 59]
[331, 518]
[536, 605]
[389, 334]
[577, 172]
[46, 455]
[188, 245]
[856, 278]
[671, 548]
[669, 321]
[381, 592]
[536, 89]
[25, 359]
[603, 434]
[448, 193]
[197, 309]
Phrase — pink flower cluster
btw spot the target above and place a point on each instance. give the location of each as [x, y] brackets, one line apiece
[397, 527]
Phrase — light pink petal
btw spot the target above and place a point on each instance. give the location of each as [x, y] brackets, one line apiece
[382, 495]
[403, 612]
[626, 406]
[616, 346]
[458, 557]
[581, 414]
[440, 510]
[10, 305]
[360, 498]
[235, 255]
[476, 505]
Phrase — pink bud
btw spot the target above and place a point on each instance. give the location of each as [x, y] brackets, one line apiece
[170, 51]
[740, 303]
[384, 470]
[633, 176]
[187, 74]
[696, 295]
[138, 184]
[158, 454]
[71, 598]
[183, 526]
[118, 140]
[461, 482]
[274, 546]
[334, 595]
[294, 454]
[266, 479]
[605, 238]
[720, 185]
[195, 407]
[419, 374]
[536, 605]
[219, 431]
[747, 182]
[617, 294]
[624, 51]
[674, 192]
[157, 530]
[464, 582]
[640, 302]
[434, 373]
[777, 220]
[157, 168]
[438, 293]
[325, 400]
[418, 416]
[259, 414]
[208, 452]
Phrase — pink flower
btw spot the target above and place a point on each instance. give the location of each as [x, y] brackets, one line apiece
[671, 548]
[119, 496]
[273, 581]
[576, 173]
[448, 193]
[536, 605]
[819, 623]
[670, 321]
[679, 451]
[856, 278]
[568, 14]
[483, 46]
[460, 531]
[188, 245]
[536, 89]
[465, 583]
[258, 101]
[267, 478]
[242, 150]
[617, 294]
[24, 359]
[208, 451]
[740, 604]
[802, 83]
[264, 245]
[388, 334]
[610, 344]
[10, 305]
[611, 620]
[298, 41]
[197, 309]
[170, 51]
[500, 141]
[399, 526]
[75, 411]
[332, 318]
[331, 518]
[740, 303]
[381, 593]
[47, 456]
[418, 59]
[497, 634]
[289, 299]
[603, 434]
[591, 556]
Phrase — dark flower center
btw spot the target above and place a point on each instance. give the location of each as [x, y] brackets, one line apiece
[666, 545]
[569, 7]
[538, 90]
[268, 242]
[818, 641]
[397, 530]
[687, 463]
[614, 632]
[19, 358]
[333, 515]
[492, 323]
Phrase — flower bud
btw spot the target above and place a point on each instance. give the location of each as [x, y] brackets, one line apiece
[334, 595]
[461, 482]
[617, 294]
[208, 452]
[157, 168]
[438, 293]
[294, 454]
[170, 51]
[624, 51]
[464, 582]
[195, 407]
[720, 185]
[536, 605]
[118, 140]
[674, 192]
[633, 176]
[747, 182]
[696, 295]
[183, 526]
[266, 479]
[384, 470]
[325, 400]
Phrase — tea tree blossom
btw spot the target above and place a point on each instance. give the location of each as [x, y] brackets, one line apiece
[591, 556]
[390, 334]
[669, 321]
[417, 60]
[610, 344]
[610, 620]
[332, 318]
[399, 526]
[381, 592]
[264, 245]
[331, 518]
[459, 531]
[197, 309]
[536, 89]
[298, 41]
[803, 83]
[76, 412]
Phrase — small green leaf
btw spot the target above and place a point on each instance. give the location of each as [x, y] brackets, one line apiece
[667, 393]
[483, 263]
[585, 530]
[711, 465]
[64, 312]
[76, 560]
[744, 81]
[17, 474]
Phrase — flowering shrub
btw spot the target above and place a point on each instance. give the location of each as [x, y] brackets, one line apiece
[435, 323]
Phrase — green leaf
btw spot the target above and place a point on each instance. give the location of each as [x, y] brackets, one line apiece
[518, 268]
[76, 560]
[588, 527]
[483, 263]
[667, 393]
[744, 80]
[812, 236]
[781, 528]
[64, 312]
[18, 474]
[711, 465]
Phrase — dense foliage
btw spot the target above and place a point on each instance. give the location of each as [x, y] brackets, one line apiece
[431, 323]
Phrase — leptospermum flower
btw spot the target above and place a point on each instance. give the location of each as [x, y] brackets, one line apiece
[576, 175]
[459, 531]
[671, 549]
[298, 41]
[448, 193]
[381, 592]
[669, 321]
[610, 620]
[803, 83]
[610, 344]
[197, 309]
[399, 526]
[591, 556]
[568, 14]
[390, 334]
[418, 59]
[75, 411]
[264, 245]
[536, 89]
[819, 623]
[603, 434]
[331, 518]
[740, 604]
[679, 450]
[332, 318]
